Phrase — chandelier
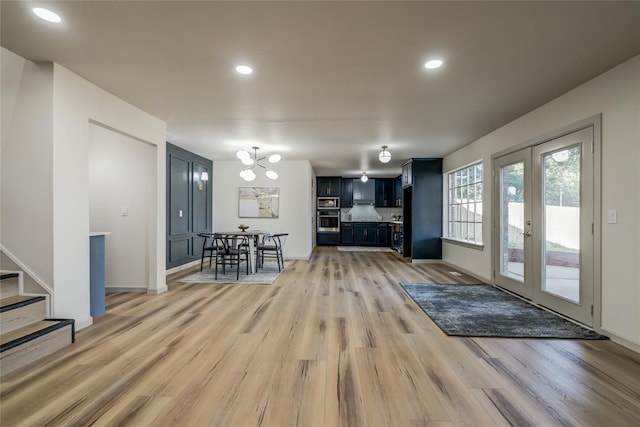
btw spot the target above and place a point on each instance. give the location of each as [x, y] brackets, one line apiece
[248, 173]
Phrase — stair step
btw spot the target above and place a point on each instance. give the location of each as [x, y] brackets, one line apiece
[21, 310]
[9, 284]
[25, 345]
[16, 301]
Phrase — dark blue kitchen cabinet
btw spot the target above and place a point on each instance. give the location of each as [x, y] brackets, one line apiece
[384, 192]
[422, 208]
[328, 186]
[383, 235]
[365, 234]
[398, 192]
[346, 232]
[346, 198]
[332, 239]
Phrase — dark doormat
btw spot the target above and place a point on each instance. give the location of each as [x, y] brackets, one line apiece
[485, 311]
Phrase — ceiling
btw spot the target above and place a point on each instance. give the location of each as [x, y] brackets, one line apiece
[332, 81]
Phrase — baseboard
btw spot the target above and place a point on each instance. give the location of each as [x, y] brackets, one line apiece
[182, 267]
[109, 289]
[467, 272]
[619, 340]
[157, 291]
[426, 261]
[81, 324]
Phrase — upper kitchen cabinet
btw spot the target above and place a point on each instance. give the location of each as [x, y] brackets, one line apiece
[364, 192]
[385, 192]
[346, 198]
[407, 173]
[398, 191]
[329, 186]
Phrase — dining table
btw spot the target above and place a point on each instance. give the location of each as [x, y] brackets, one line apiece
[253, 236]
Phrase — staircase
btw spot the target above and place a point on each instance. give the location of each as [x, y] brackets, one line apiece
[25, 333]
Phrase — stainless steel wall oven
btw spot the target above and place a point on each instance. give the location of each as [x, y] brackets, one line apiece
[328, 221]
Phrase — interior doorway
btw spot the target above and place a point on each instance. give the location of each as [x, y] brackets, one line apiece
[122, 201]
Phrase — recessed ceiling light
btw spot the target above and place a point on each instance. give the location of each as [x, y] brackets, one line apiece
[46, 14]
[244, 69]
[432, 64]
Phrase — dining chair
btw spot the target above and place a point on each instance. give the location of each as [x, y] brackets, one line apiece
[271, 247]
[231, 251]
[209, 248]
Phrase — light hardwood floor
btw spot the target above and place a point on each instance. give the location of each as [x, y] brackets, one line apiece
[333, 342]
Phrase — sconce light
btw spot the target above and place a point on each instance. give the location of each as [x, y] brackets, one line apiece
[384, 155]
[364, 177]
[204, 177]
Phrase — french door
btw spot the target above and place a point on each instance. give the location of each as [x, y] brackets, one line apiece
[543, 229]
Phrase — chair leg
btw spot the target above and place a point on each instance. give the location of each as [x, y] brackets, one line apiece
[238, 266]
[278, 260]
[281, 257]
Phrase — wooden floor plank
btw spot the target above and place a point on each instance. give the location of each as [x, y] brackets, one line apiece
[334, 341]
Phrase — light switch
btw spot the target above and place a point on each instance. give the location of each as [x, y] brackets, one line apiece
[180, 213]
[612, 216]
[124, 211]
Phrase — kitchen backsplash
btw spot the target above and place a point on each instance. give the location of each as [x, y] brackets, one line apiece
[369, 213]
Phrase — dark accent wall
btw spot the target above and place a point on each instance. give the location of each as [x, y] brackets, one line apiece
[189, 203]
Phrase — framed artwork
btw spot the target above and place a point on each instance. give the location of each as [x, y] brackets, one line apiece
[258, 202]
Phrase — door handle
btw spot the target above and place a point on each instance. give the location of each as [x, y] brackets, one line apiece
[526, 234]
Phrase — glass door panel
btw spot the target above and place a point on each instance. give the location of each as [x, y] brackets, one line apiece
[563, 211]
[512, 230]
[561, 223]
[512, 221]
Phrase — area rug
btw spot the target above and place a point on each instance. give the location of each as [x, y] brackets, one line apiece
[485, 311]
[363, 249]
[265, 275]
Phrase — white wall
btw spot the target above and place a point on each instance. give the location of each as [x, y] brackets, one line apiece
[26, 146]
[46, 112]
[122, 173]
[294, 182]
[615, 94]
[76, 102]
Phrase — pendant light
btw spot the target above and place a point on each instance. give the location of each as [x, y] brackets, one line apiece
[384, 155]
[364, 177]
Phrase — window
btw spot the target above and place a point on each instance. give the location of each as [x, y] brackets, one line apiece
[465, 204]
